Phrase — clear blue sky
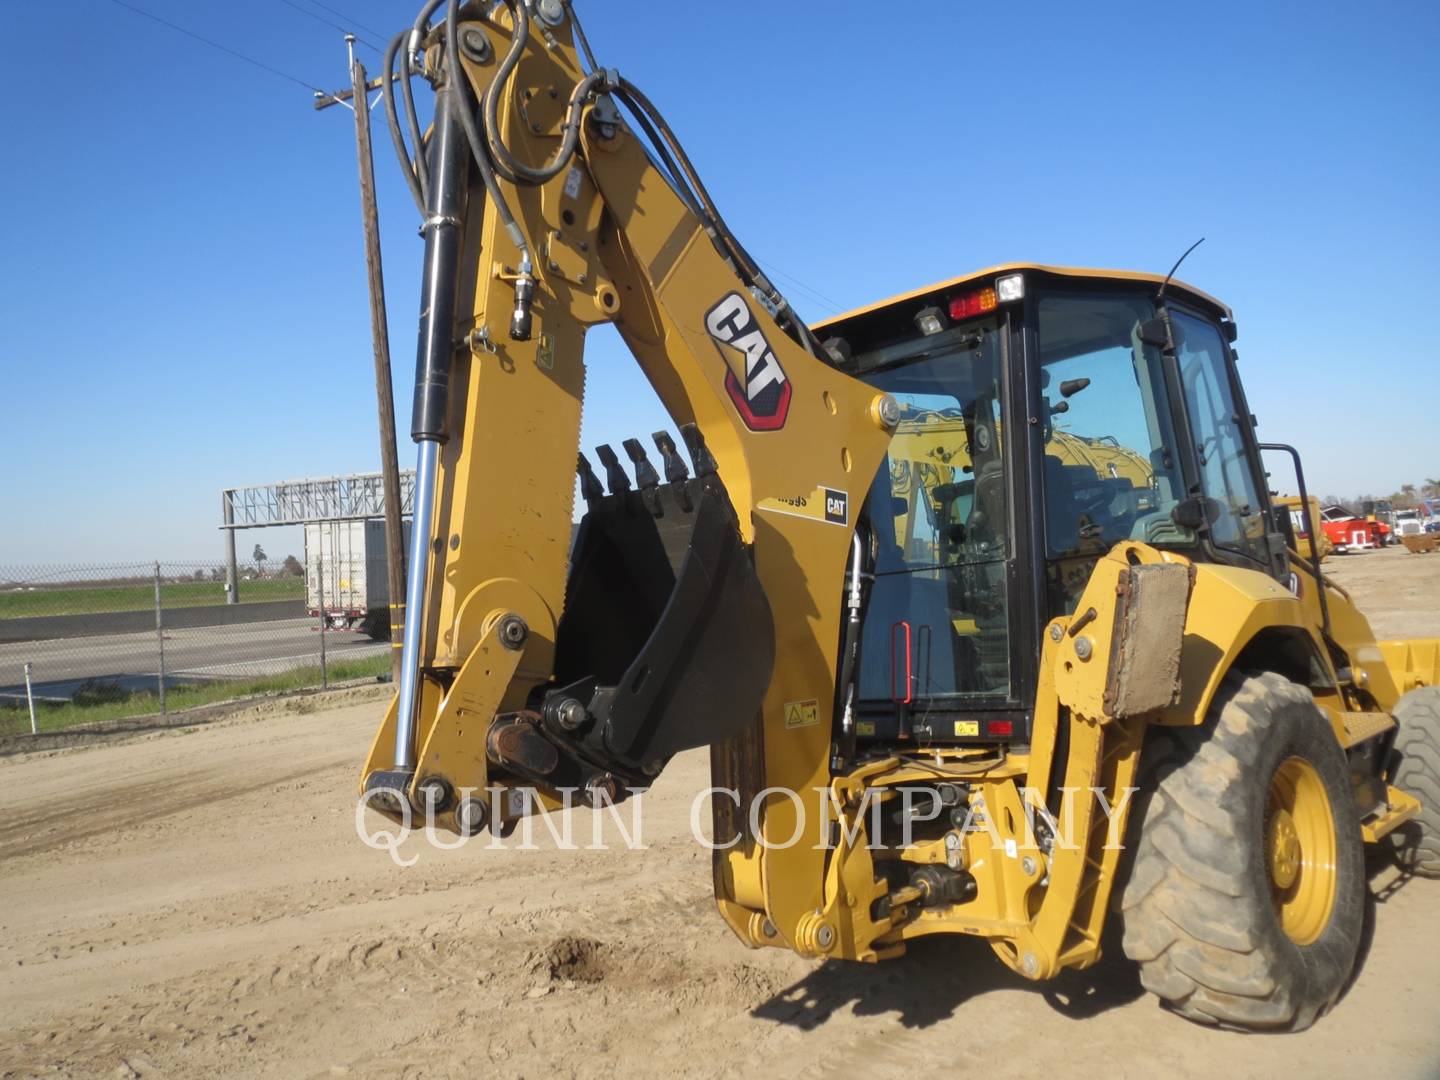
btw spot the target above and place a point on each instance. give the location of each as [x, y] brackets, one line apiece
[184, 294]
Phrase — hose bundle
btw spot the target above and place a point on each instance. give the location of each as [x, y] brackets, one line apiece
[496, 161]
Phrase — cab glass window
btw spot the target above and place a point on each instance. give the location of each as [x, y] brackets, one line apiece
[937, 623]
[1226, 474]
[1111, 467]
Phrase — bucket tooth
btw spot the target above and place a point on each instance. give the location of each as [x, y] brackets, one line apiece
[666, 642]
[590, 487]
[672, 462]
[645, 474]
[700, 456]
[615, 478]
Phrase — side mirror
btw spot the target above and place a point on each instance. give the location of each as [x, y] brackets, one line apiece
[1195, 512]
[1152, 332]
[1230, 330]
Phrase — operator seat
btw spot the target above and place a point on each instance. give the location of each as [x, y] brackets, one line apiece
[1062, 522]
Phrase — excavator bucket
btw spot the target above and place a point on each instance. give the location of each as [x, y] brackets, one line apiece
[666, 642]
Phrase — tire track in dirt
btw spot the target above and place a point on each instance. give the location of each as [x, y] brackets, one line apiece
[90, 815]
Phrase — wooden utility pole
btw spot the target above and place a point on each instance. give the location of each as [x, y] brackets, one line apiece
[359, 104]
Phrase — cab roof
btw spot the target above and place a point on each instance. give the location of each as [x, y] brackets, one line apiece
[1177, 287]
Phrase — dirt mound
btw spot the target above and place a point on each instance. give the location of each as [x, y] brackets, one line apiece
[575, 959]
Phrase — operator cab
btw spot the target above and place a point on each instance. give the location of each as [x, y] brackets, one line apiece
[1046, 414]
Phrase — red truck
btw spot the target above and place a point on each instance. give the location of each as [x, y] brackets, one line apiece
[1350, 532]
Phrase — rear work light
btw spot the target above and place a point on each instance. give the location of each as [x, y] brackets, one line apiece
[1010, 288]
[968, 306]
[929, 321]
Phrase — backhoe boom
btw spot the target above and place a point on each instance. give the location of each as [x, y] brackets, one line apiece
[680, 594]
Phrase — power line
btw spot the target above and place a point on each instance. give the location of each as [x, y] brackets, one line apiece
[344, 29]
[797, 284]
[340, 14]
[216, 45]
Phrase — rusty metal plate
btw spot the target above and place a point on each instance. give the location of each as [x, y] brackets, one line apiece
[1149, 630]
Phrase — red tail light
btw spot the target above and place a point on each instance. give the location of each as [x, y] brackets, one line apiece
[1001, 728]
[979, 302]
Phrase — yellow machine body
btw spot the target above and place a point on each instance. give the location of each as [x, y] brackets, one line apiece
[614, 243]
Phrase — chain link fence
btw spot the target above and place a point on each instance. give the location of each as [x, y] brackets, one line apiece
[87, 644]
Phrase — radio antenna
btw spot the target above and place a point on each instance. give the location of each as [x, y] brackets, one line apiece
[1161, 294]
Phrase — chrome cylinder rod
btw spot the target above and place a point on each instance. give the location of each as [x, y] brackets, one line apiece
[419, 573]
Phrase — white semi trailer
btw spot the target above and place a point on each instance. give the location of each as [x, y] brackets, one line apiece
[345, 574]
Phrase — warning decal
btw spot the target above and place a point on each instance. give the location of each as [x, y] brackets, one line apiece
[802, 713]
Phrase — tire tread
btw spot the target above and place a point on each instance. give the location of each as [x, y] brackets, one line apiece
[1187, 922]
[1417, 745]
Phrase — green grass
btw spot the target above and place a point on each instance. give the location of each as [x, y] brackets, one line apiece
[15, 718]
[139, 596]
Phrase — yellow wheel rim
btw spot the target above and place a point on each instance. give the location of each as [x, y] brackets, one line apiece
[1300, 850]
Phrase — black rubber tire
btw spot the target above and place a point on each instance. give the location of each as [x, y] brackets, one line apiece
[376, 626]
[1196, 909]
[1415, 768]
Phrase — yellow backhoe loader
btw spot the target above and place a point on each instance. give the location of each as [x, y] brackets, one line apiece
[976, 594]
[1307, 523]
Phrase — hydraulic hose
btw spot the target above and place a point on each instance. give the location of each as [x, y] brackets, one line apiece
[407, 55]
[517, 171]
[415, 169]
[665, 160]
[495, 160]
[748, 268]
[580, 38]
[474, 138]
[392, 121]
[422, 169]
[850, 645]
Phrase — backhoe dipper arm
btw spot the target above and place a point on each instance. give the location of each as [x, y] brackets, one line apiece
[522, 681]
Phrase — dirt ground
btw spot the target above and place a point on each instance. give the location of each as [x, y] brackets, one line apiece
[197, 903]
[1398, 591]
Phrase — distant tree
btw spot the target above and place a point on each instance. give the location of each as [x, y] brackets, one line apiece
[259, 556]
[199, 574]
[217, 573]
[292, 567]
[1432, 487]
[1408, 490]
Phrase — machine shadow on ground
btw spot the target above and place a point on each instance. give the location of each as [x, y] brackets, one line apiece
[937, 976]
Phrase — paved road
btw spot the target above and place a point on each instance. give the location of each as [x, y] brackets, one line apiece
[208, 652]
